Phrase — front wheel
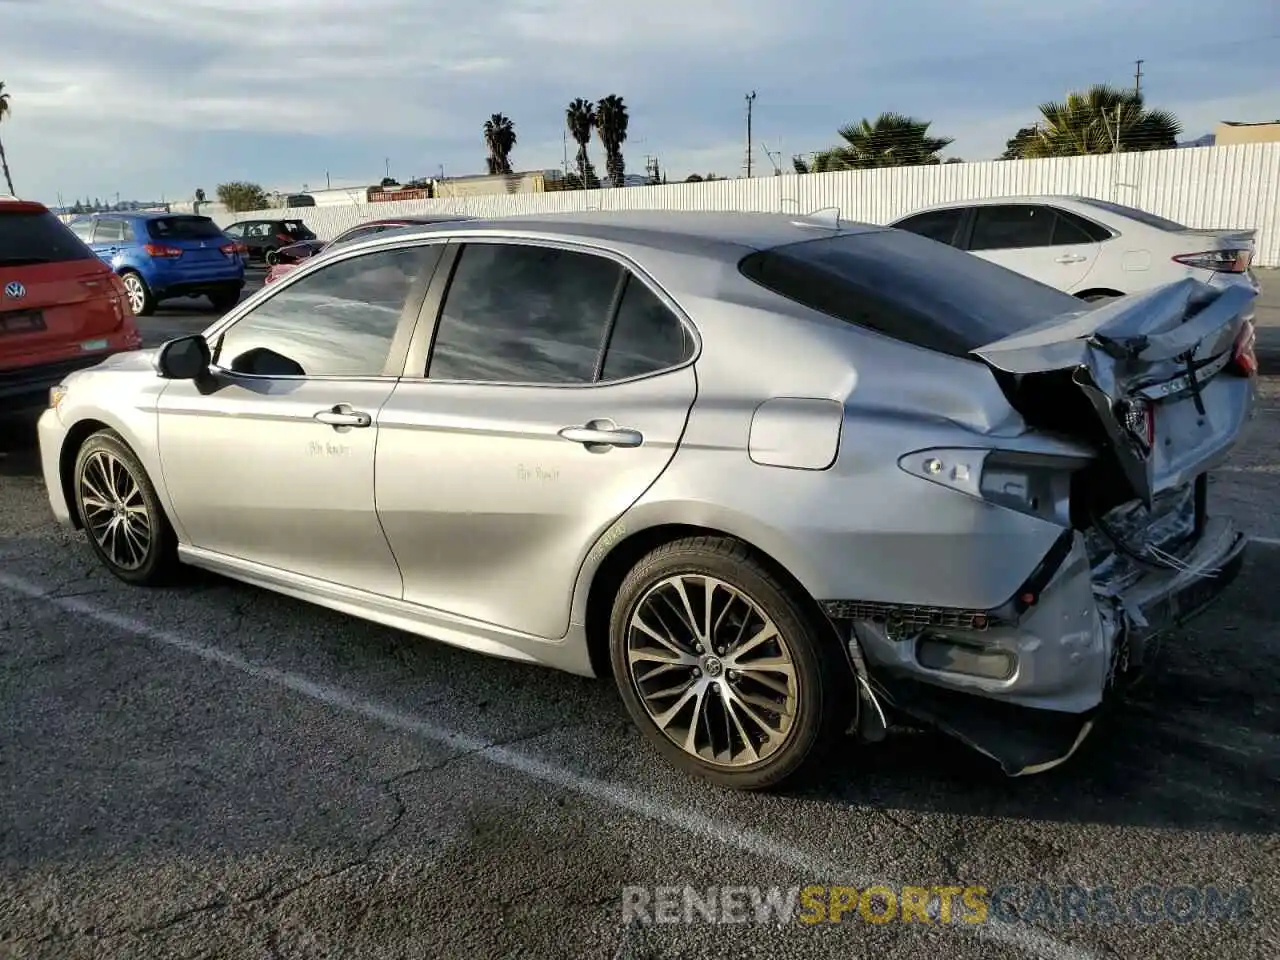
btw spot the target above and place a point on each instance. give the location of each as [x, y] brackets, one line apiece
[141, 300]
[127, 527]
[723, 668]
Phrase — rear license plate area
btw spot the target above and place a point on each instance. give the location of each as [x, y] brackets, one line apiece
[22, 321]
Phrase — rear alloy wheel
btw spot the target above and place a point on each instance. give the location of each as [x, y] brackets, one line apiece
[121, 513]
[723, 669]
[141, 300]
[272, 258]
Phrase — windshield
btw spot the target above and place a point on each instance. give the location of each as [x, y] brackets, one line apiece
[183, 228]
[32, 238]
[908, 287]
[1133, 213]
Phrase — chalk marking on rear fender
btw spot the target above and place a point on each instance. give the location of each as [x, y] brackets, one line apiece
[1027, 939]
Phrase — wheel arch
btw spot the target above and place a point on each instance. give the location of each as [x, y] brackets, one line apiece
[1097, 292]
[603, 582]
[76, 436]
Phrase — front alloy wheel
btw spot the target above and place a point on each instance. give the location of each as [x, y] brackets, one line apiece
[725, 667]
[121, 514]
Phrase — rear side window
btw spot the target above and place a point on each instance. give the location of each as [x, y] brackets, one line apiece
[298, 229]
[183, 228]
[646, 337]
[1133, 213]
[519, 313]
[908, 288]
[1068, 228]
[940, 225]
[31, 238]
[1011, 227]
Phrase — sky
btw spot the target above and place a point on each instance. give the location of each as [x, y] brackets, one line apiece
[152, 99]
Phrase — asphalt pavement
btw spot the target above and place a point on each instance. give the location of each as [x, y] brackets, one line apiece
[218, 771]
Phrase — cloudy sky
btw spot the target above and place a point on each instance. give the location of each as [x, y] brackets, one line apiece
[159, 97]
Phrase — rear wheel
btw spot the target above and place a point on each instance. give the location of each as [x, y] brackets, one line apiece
[272, 257]
[722, 667]
[224, 300]
[127, 527]
[141, 300]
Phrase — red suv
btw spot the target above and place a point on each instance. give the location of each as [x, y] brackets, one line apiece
[61, 308]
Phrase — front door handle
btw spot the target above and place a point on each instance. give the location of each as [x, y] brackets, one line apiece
[602, 434]
[1071, 258]
[342, 415]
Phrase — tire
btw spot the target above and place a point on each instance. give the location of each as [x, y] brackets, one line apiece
[822, 695]
[224, 300]
[141, 300]
[103, 459]
[1095, 297]
[271, 257]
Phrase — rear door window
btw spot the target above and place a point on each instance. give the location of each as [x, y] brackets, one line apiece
[183, 228]
[908, 288]
[939, 225]
[1013, 226]
[34, 238]
[83, 229]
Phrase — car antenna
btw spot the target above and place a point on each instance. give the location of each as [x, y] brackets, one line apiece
[824, 217]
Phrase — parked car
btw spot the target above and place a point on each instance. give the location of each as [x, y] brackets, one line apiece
[1093, 249]
[779, 478]
[61, 308]
[162, 256]
[289, 257]
[262, 238]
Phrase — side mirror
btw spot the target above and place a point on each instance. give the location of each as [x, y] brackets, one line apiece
[186, 358]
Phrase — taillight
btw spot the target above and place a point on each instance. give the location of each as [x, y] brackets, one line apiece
[1139, 419]
[161, 251]
[1244, 356]
[232, 249]
[284, 238]
[1219, 261]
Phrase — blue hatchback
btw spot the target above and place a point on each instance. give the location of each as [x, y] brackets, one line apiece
[160, 256]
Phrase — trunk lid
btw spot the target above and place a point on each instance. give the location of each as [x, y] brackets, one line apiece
[1167, 373]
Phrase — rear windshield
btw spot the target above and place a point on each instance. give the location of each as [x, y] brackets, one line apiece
[296, 228]
[183, 228]
[908, 287]
[32, 238]
[1133, 213]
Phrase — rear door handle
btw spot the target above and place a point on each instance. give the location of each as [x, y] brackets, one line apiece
[1071, 258]
[342, 415]
[602, 433]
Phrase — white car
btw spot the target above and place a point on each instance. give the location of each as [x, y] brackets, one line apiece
[1091, 248]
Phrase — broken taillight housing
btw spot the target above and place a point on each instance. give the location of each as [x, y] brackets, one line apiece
[1138, 417]
[1219, 261]
[1244, 356]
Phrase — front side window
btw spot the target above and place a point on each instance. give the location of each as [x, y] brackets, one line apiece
[109, 231]
[1011, 227]
[83, 229]
[337, 322]
[518, 313]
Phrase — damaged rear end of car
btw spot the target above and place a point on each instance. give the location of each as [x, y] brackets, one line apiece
[1158, 386]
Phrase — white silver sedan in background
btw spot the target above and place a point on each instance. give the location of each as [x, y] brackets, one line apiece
[1092, 249]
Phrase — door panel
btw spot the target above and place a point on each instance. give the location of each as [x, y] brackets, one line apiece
[254, 474]
[490, 511]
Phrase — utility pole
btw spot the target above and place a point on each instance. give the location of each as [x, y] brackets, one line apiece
[751, 99]
[1137, 80]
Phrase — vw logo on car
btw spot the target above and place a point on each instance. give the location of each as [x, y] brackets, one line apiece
[14, 290]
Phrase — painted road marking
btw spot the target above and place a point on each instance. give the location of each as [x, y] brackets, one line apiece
[1026, 939]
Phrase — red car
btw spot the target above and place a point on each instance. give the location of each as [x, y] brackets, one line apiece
[61, 308]
[289, 257]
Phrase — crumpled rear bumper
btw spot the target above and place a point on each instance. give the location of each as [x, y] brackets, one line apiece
[1072, 650]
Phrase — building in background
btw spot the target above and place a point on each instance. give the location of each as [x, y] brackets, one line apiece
[1231, 132]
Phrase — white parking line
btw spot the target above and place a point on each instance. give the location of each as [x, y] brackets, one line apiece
[1266, 541]
[1026, 939]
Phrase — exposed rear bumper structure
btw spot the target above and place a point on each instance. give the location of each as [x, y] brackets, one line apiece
[1027, 691]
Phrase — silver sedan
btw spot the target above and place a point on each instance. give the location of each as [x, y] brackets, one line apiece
[785, 478]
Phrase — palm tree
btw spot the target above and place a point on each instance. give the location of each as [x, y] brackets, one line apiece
[891, 140]
[5, 110]
[611, 126]
[1102, 119]
[580, 117]
[500, 138]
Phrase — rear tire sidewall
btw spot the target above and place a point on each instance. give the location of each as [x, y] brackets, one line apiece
[270, 257]
[148, 307]
[161, 562]
[821, 687]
